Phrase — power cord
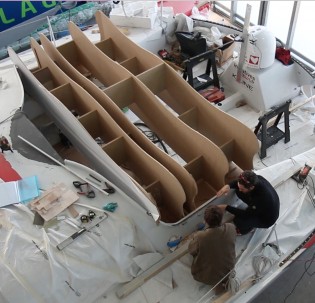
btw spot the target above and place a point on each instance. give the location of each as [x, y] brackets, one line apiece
[310, 194]
[306, 268]
[150, 135]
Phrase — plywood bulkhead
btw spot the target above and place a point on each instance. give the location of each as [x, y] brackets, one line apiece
[235, 139]
[116, 113]
[133, 93]
[153, 177]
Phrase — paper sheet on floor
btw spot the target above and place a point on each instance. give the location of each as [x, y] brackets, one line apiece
[82, 272]
[18, 191]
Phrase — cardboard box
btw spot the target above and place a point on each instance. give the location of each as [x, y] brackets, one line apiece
[226, 51]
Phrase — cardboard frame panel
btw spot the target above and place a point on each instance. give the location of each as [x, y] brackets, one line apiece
[103, 98]
[147, 169]
[216, 125]
[146, 106]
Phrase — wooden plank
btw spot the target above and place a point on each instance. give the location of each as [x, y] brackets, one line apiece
[55, 202]
[227, 295]
[286, 175]
[128, 288]
[298, 105]
[74, 213]
[293, 108]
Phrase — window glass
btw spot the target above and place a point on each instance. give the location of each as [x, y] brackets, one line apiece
[304, 39]
[226, 4]
[241, 10]
[279, 29]
[224, 7]
[278, 20]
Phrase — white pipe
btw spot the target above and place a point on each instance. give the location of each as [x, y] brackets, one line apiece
[64, 166]
[51, 32]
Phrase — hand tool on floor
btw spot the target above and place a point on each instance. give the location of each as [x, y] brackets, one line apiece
[86, 227]
[109, 189]
[84, 189]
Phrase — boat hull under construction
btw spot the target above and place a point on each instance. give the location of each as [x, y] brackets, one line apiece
[145, 203]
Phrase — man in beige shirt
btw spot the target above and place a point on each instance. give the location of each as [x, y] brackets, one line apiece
[213, 250]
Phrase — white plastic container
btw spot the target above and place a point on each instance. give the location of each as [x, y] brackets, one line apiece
[135, 14]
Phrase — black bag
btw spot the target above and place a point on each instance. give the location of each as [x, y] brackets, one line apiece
[191, 44]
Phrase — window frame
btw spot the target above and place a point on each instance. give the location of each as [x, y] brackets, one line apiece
[238, 21]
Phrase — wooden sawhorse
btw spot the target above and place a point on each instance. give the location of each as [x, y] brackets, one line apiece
[271, 135]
